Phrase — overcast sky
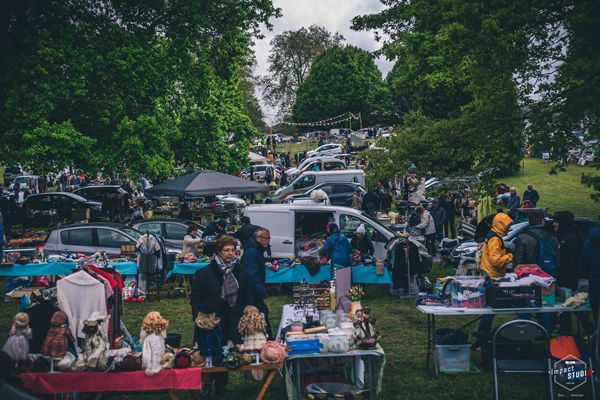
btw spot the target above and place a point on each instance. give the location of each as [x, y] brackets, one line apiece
[334, 15]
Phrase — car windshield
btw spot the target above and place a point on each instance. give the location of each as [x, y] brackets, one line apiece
[376, 223]
[131, 232]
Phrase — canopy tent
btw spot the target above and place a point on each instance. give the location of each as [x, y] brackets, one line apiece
[205, 183]
[257, 158]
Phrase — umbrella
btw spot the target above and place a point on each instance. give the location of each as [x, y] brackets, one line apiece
[257, 158]
[205, 183]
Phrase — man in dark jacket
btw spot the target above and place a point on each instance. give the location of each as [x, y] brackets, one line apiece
[568, 267]
[370, 202]
[531, 195]
[589, 267]
[439, 217]
[447, 203]
[246, 232]
[526, 244]
[253, 261]
[514, 202]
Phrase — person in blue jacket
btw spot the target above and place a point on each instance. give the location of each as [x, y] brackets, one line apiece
[589, 267]
[336, 248]
[253, 261]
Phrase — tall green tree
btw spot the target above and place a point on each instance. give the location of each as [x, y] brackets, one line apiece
[127, 76]
[342, 79]
[290, 58]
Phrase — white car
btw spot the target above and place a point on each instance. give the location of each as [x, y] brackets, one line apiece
[326, 150]
[316, 164]
[260, 171]
[26, 182]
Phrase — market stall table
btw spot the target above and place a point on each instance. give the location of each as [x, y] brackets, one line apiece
[183, 272]
[107, 382]
[361, 274]
[433, 311]
[59, 268]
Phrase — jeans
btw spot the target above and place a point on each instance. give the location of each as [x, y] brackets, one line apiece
[430, 243]
[485, 323]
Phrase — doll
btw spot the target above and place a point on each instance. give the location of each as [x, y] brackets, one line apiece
[95, 346]
[17, 345]
[153, 335]
[252, 327]
[366, 336]
[57, 340]
[207, 338]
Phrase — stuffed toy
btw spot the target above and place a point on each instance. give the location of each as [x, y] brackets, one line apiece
[167, 360]
[208, 338]
[57, 341]
[576, 300]
[252, 327]
[273, 352]
[198, 359]
[153, 335]
[95, 347]
[17, 345]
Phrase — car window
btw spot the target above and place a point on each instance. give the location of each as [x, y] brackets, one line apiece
[39, 203]
[349, 224]
[332, 165]
[131, 232]
[343, 189]
[327, 189]
[175, 231]
[152, 227]
[305, 181]
[311, 166]
[77, 237]
[110, 238]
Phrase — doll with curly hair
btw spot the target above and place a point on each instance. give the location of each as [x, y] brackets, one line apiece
[17, 344]
[252, 327]
[207, 338]
[153, 335]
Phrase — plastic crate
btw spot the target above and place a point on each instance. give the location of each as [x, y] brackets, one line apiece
[514, 297]
[453, 358]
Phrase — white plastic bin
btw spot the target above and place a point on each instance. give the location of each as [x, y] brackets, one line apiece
[453, 358]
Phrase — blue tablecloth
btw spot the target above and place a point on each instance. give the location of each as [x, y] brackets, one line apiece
[360, 274]
[186, 268]
[58, 268]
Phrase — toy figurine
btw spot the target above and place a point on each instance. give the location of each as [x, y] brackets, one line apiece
[252, 327]
[366, 336]
[95, 347]
[17, 345]
[57, 341]
[207, 338]
[153, 335]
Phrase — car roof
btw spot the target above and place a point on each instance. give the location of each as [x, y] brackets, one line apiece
[119, 188]
[68, 194]
[92, 225]
[170, 220]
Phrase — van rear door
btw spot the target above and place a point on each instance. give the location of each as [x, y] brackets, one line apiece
[281, 226]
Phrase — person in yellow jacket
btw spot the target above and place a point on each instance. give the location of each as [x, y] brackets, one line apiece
[494, 257]
[493, 262]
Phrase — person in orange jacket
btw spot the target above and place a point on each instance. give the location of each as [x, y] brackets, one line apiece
[493, 262]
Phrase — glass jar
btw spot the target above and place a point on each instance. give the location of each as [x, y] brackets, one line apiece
[323, 314]
[337, 342]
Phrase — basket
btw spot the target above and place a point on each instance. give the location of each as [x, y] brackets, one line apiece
[514, 297]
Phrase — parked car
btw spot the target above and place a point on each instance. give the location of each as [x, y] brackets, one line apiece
[325, 150]
[11, 173]
[108, 195]
[309, 179]
[259, 172]
[90, 238]
[316, 164]
[340, 194]
[171, 230]
[24, 181]
[48, 208]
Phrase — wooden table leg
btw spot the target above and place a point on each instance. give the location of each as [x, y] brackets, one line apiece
[186, 286]
[266, 384]
[98, 396]
[171, 395]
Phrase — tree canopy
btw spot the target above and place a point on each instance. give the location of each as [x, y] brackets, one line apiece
[126, 86]
[342, 79]
[290, 59]
[479, 78]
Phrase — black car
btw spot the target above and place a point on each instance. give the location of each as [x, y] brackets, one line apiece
[47, 209]
[339, 193]
[113, 198]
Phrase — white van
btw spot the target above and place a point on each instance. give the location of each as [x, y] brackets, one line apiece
[290, 222]
[311, 178]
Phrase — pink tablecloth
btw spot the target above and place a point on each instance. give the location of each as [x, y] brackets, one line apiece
[97, 382]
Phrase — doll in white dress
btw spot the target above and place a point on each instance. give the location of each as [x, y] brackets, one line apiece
[153, 335]
[17, 344]
[252, 328]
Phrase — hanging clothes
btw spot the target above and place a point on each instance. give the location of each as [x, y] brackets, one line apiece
[40, 315]
[149, 252]
[79, 295]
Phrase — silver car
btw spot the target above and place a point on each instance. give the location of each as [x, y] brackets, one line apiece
[90, 238]
[171, 230]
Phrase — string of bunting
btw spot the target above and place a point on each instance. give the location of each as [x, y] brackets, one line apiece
[329, 121]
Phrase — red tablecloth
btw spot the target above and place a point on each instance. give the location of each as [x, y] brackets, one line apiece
[96, 382]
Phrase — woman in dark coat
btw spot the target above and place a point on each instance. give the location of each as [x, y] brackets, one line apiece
[224, 288]
[589, 267]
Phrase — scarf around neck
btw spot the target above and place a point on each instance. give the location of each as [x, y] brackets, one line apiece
[230, 286]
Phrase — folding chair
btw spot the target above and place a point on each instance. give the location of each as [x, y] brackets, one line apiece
[521, 331]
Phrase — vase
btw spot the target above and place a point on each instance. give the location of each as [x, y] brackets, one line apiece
[354, 307]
